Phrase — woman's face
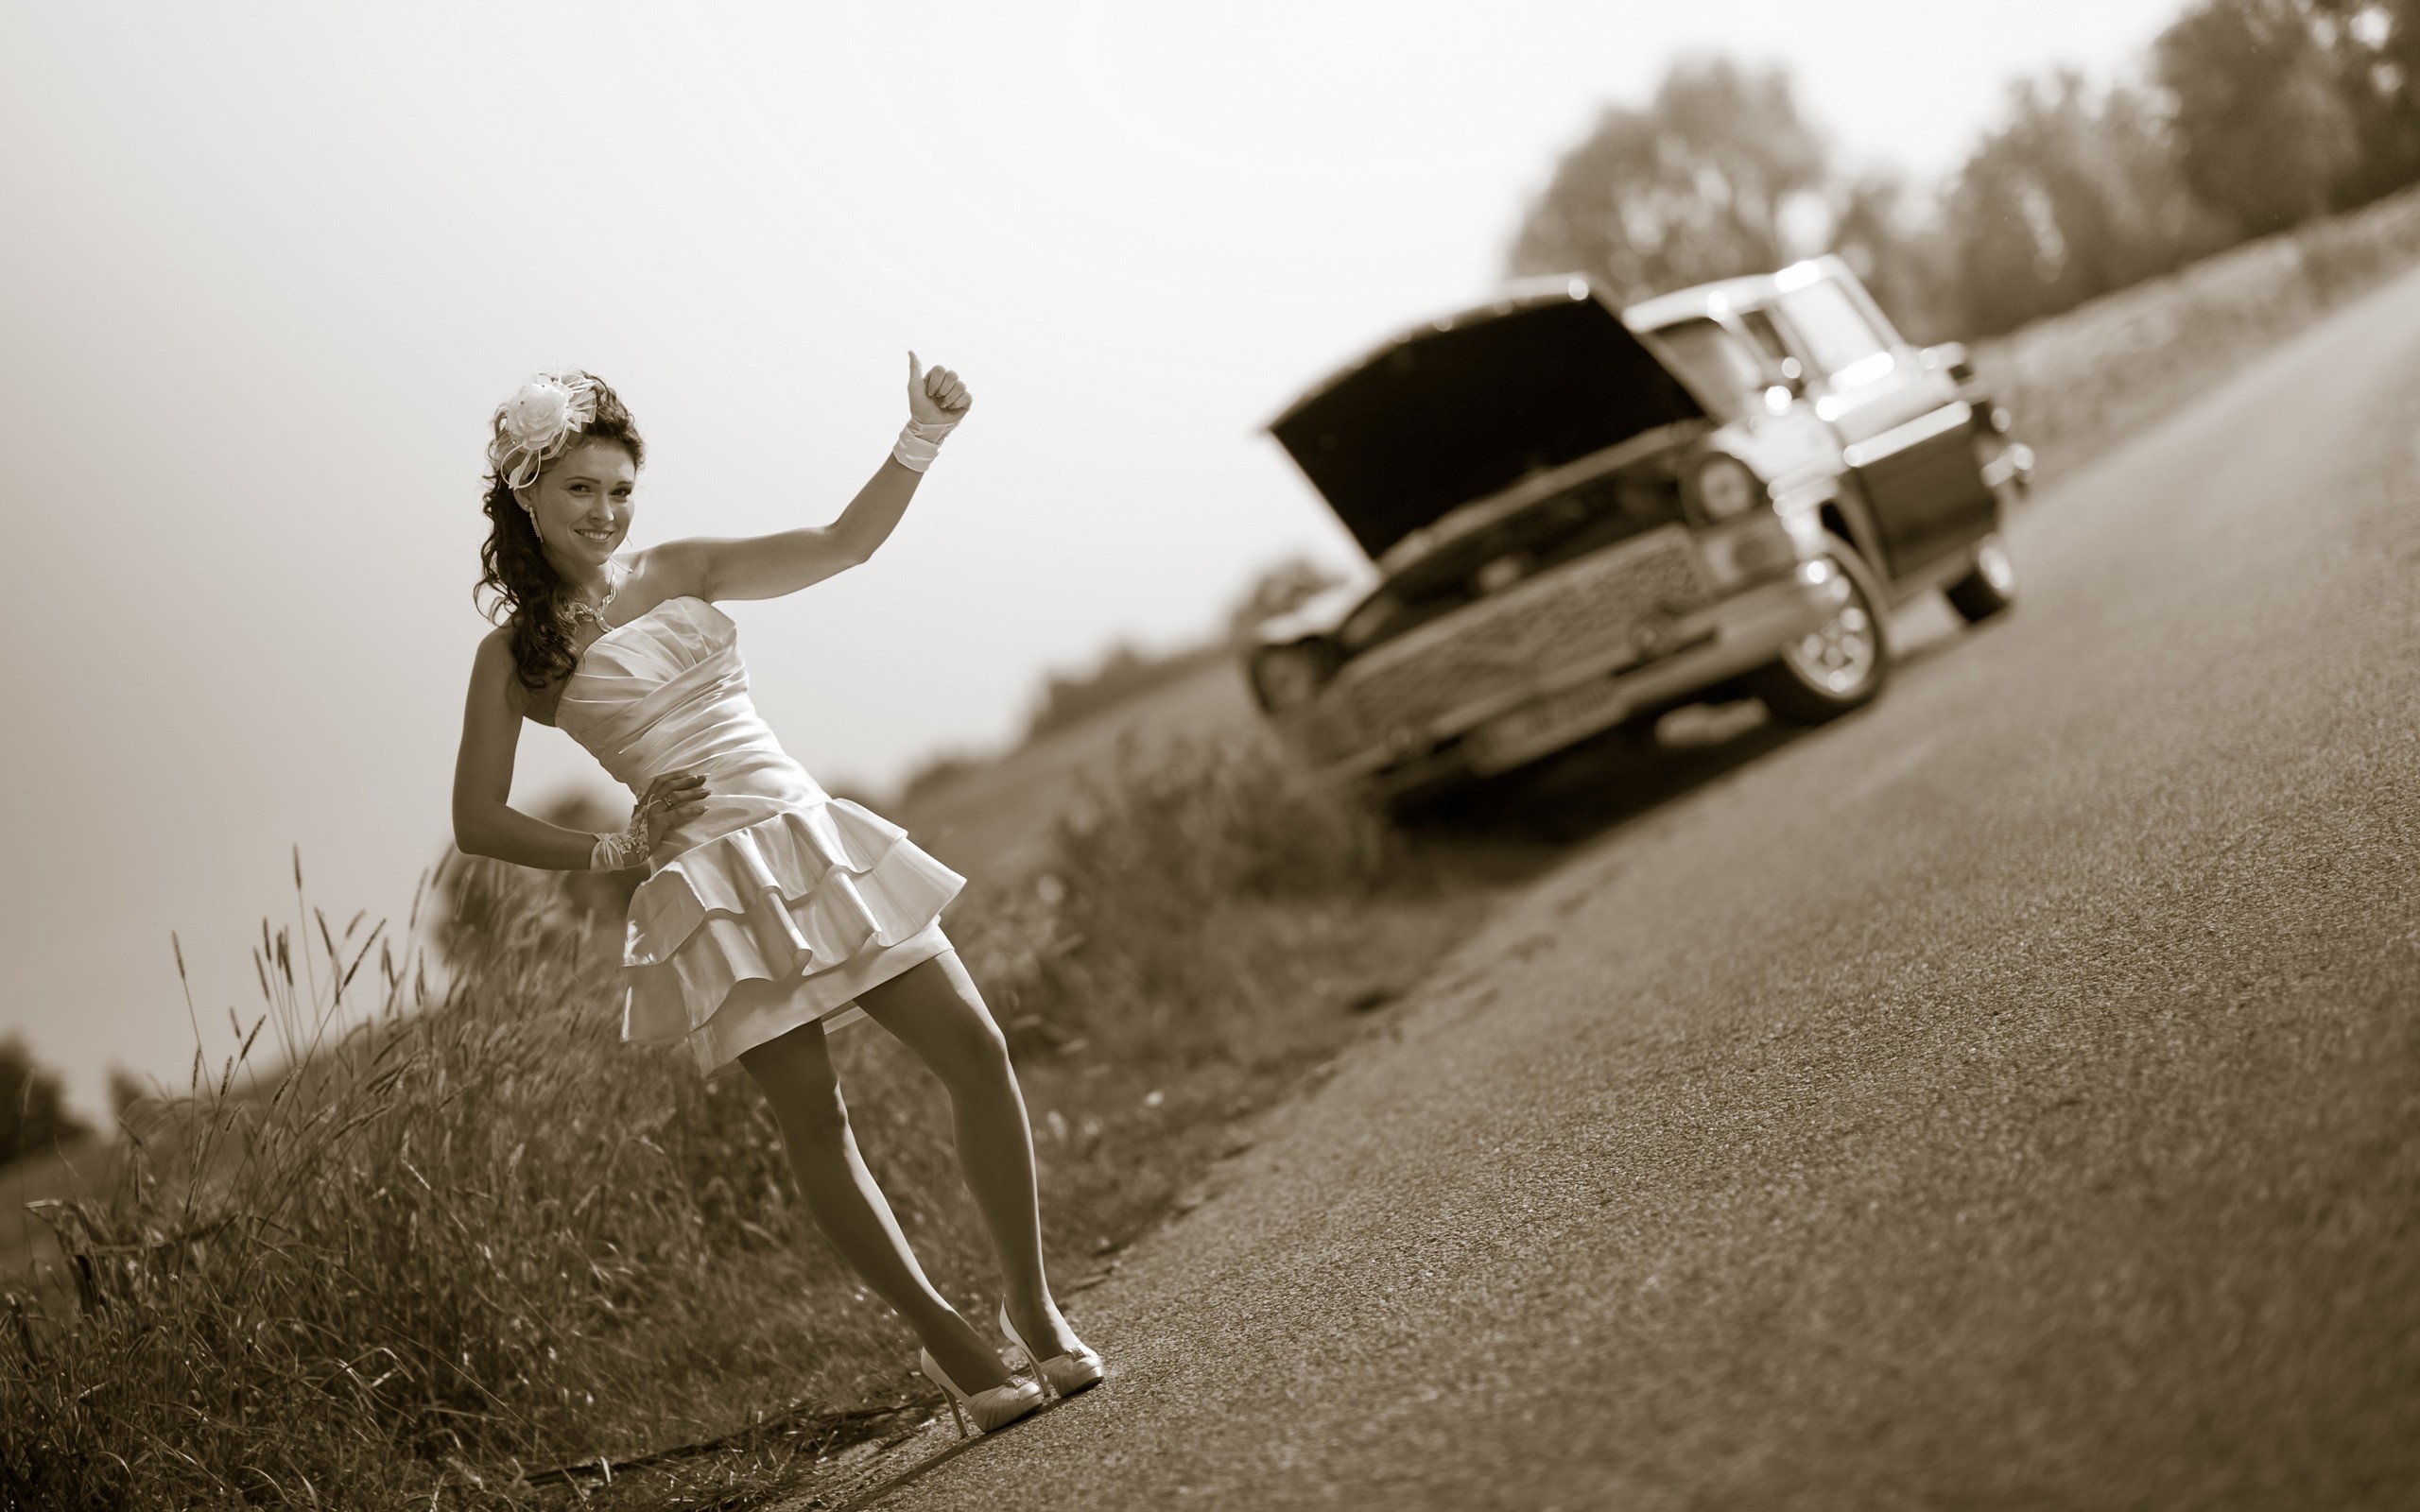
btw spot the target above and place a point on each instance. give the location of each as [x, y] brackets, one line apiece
[581, 505]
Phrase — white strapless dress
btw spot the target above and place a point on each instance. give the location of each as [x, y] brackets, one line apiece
[775, 882]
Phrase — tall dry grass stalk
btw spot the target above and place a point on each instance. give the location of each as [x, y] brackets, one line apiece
[459, 1236]
[431, 1237]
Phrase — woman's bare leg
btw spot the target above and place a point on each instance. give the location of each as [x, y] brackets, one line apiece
[935, 1011]
[795, 1074]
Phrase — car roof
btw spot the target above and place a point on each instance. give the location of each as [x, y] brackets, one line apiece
[1708, 302]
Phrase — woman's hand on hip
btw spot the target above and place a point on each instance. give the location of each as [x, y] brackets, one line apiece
[671, 799]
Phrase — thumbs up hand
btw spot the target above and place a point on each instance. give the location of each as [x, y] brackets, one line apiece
[935, 398]
[935, 402]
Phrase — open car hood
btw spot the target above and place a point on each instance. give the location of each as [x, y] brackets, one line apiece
[1465, 408]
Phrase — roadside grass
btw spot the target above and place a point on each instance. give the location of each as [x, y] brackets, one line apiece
[464, 1249]
[996, 816]
[2079, 382]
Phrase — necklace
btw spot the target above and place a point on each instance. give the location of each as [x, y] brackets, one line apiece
[577, 611]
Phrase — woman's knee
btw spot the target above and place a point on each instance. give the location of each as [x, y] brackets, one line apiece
[937, 1011]
[794, 1072]
[985, 1049]
[817, 1114]
[968, 1051]
[975, 1036]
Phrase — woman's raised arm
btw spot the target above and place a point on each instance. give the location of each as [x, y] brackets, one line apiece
[771, 566]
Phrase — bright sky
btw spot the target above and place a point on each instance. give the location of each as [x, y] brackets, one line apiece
[266, 269]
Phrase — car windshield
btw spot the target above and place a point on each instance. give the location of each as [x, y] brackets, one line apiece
[1718, 366]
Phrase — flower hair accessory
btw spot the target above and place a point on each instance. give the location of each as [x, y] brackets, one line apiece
[534, 426]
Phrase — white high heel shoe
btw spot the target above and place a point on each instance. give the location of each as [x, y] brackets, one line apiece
[1067, 1373]
[994, 1408]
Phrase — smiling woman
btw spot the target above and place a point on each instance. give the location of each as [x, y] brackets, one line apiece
[579, 508]
[772, 911]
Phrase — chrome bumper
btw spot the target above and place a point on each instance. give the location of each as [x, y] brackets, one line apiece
[1734, 635]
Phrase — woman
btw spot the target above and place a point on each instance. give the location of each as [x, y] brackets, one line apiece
[774, 911]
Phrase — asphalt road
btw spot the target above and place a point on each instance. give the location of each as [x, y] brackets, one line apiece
[2009, 1097]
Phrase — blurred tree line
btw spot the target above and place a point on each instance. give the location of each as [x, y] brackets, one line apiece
[2251, 117]
[34, 1115]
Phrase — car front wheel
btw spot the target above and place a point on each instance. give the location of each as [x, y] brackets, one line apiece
[1840, 665]
[1990, 588]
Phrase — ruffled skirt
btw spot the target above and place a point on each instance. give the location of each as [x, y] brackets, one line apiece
[818, 902]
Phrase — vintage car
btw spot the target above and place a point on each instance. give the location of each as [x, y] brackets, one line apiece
[1579, 517]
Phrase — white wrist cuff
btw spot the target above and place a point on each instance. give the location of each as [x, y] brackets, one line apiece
[619, 852]
[919, 441]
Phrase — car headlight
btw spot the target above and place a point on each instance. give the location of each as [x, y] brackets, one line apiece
[1726, 490]
[1287, 677]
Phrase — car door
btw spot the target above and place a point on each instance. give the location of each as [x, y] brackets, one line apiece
[1903, 431]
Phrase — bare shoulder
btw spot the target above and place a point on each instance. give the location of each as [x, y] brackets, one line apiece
[494, 653]
[495, 673]
[674, 569]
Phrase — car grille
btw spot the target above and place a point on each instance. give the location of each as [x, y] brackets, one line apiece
[1399, 691]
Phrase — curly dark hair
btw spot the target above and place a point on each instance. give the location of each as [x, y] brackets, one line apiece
[512, 564]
